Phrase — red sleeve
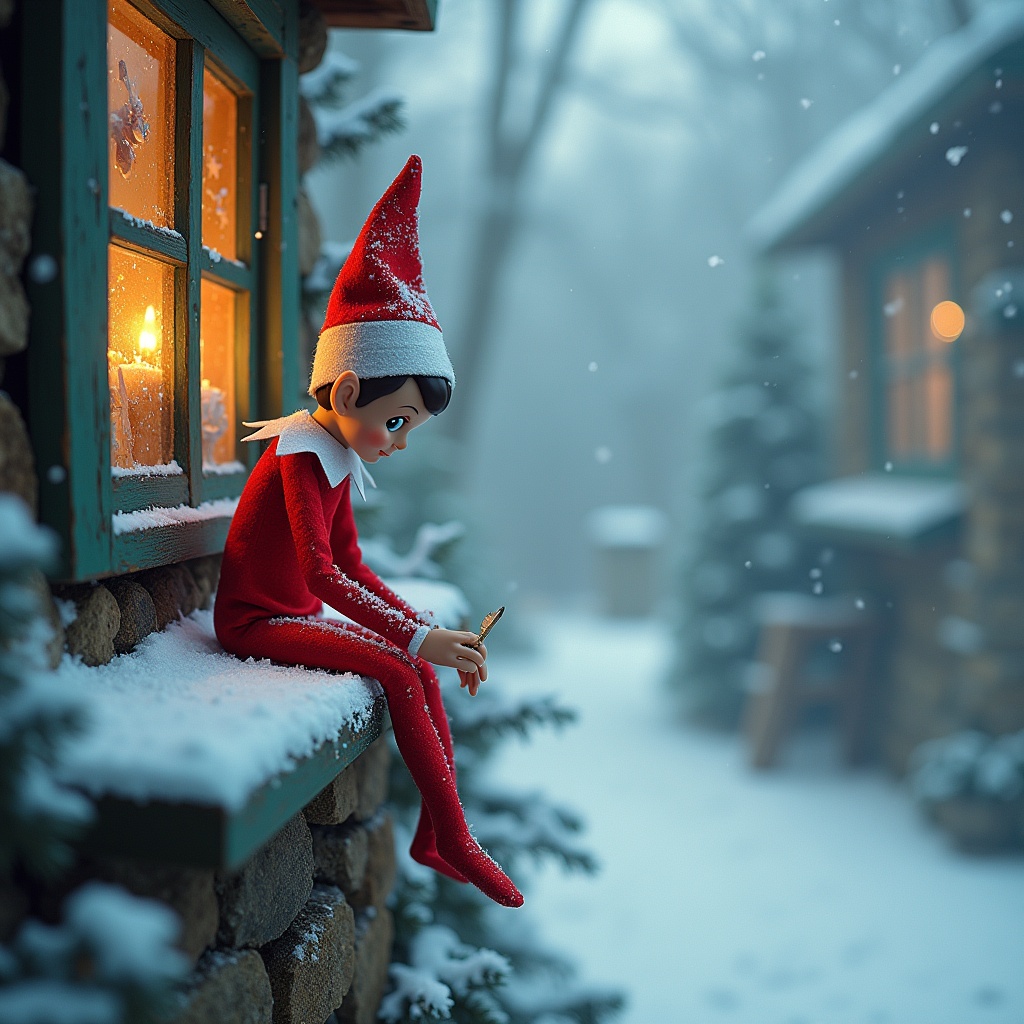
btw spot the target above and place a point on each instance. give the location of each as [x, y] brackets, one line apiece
[332, 579]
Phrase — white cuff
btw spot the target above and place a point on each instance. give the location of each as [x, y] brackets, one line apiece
[417, 639]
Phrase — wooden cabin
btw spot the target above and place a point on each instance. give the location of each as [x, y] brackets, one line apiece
[918, 197]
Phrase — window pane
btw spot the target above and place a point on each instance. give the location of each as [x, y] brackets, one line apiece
[140, 97]
[220, 167]
[140, 360]
[219, 329]
[940, 404]
[935, 289]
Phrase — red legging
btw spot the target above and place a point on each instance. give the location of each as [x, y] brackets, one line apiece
[443, 840]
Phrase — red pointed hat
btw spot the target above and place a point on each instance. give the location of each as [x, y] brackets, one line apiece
[379, 321]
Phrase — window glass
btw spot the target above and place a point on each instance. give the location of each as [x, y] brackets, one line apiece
[140, 101]
[919, 382]
[219, 329]
[140, 361]
[220, 167]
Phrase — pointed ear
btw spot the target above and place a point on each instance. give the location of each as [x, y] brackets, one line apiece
[344, 393]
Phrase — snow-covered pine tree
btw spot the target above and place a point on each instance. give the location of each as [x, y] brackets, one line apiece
[764, 439]
[112, 960]
[456, 956]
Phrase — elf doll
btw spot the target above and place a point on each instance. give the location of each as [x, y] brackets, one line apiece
[381, 369]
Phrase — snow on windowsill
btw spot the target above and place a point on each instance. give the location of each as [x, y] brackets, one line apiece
[179, 719]
[216, 257]
[165, 469]
[889, 507]
[151, 518]
[141, 222]
[222, 468]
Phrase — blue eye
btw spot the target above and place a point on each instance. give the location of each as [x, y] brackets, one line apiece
[395, 423]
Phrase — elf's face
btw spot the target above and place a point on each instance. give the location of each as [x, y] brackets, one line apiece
[380, 428]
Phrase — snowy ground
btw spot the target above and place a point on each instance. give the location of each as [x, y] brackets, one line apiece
[808, 895]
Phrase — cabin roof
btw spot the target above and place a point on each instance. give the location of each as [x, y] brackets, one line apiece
[954, 72]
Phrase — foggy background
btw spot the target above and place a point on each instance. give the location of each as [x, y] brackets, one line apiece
[616, 300]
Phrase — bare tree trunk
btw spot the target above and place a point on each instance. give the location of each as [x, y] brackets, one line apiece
[508, 158]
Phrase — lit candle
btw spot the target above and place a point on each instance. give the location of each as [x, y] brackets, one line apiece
[143, 395]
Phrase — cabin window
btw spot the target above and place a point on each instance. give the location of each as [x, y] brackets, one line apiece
[156, 329]
[919, 332]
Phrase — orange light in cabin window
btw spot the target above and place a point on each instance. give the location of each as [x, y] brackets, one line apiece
[147, 336]
[947, 321]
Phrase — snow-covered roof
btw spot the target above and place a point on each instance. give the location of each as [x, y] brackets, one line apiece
[879, 507]
[904, 107]
[178, 719]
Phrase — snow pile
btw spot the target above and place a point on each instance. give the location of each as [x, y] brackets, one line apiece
[151, 518]
[112, 959]
[180, 719]
[900, 508]
[969, 763]
[440, 964]
[880, 125]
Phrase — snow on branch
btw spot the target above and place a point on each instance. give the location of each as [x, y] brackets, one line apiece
[325, 84]
[418, 562]
[441, 964]
[320, 280]
[492, 716]
[343, 133]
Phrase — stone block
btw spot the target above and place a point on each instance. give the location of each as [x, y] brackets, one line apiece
[340, 855]
[17, 463]
[258, 902]
[310, 237]
[188, 892]
[205, 572]
[309, 143]
[173, 590]
[381, 864]
[312, 36]
[15, 219]
[311, 965]
[138, 613]
[91, 635]
[375, 933]
[36, 582]
[372, 768]
[228, 987]
[335, 802]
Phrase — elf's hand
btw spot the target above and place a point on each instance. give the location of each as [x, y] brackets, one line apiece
[449, 647]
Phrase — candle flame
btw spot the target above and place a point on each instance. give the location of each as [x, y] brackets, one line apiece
[147, 336]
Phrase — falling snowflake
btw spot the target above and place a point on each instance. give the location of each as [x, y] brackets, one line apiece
[1009, 311]
[592, 367]
[967, 211]
[835, 646]
[715, 261]
[806, 103]
[603, 454]
[888, 467]
[955, 154]
[758, 55]
[1006, 217]
[897, 68]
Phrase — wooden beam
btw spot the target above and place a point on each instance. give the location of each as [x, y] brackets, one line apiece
[408, 15]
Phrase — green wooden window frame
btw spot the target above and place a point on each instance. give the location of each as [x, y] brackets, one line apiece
[252, 46]
[939, 241]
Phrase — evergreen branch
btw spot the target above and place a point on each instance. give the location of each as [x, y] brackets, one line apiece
[324, 86]
[344, 133]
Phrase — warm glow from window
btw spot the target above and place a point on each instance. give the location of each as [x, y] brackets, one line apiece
[140, 115]
[947, 321]
[220, 167]
[220, 328]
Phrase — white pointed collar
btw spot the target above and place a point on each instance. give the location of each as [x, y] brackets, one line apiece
[301, 433]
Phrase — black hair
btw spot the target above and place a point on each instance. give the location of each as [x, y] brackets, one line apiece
[436, 392]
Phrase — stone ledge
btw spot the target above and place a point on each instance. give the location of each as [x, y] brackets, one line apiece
[228, 987]
[375, 933]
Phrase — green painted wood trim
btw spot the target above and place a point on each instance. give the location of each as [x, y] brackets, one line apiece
[279, 281]
[195, 835]
[223, 485]
[188, 147]
[64, 86]
[261, 23]
[236, 276]
[149, 241]
[938, 239]
[134, 493]
[144, 549]
[199, 21]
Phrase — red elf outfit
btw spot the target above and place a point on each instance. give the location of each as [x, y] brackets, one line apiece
[292, 546]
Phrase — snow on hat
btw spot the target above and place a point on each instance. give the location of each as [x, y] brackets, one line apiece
[379, 321]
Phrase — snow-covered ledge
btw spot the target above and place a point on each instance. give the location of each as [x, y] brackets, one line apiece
[198, 757]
